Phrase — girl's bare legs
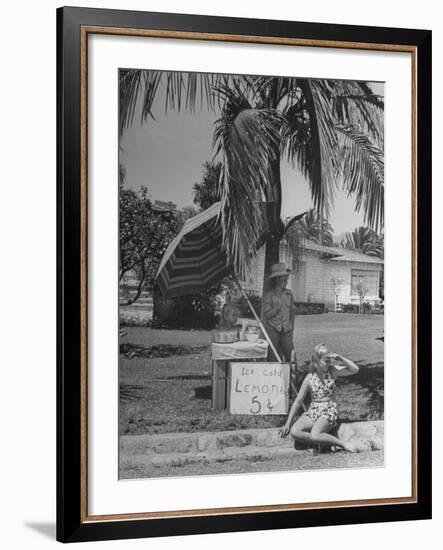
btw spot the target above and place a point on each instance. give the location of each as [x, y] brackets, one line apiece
[301, 428]
[319, 435]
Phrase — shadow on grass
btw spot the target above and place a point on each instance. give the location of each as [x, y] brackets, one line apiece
[135, 392]
[370, 378]
[130, 392]
[187, 377]
[203, 392]
[135, 351]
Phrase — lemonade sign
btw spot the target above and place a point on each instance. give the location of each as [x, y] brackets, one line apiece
[259, 388]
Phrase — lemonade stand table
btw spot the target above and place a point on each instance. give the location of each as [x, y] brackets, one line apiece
[222, 354]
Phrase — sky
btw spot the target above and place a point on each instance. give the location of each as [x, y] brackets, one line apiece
[166, 156]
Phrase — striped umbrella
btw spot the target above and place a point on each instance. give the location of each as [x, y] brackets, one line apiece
[194, 261]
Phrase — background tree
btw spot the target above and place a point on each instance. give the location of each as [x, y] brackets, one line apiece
[208, 191]
[362, 291]
[187, 212]
[337, 284]
[311, 227]
[331, 129]
[144, 237]
[364, 240]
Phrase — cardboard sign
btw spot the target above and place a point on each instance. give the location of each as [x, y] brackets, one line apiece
[259, 388]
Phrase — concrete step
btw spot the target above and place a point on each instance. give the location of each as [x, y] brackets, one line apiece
[207, 457]
[200, 441]
[365, 435]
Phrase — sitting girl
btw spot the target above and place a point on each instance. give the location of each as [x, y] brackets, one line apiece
[313, 426]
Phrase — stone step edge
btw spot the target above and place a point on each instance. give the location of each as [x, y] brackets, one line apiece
[196, 442]
[227, 455]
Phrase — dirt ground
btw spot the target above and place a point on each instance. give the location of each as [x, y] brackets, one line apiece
[373, 459]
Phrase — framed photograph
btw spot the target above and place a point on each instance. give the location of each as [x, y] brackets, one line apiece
[244, 318]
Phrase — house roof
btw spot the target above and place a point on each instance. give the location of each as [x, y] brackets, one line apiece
[338, 254]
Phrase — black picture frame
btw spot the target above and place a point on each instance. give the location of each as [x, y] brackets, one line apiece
[72, 523]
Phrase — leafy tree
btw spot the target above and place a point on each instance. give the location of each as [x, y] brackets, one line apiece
[331, 129]
[208, 191]
[144, 237]
[187, 212]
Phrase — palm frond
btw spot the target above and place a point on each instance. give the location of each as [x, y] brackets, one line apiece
[370, 96]
[139, 89]
[310, 226]
[365, 240]
[129, 90]
[271, 92]
[356, 104]
[324, 167]
[246, 140]
[297, 137]
[363, 174]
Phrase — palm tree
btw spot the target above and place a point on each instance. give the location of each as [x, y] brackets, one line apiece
[364, 240]
[308, 227]
[332, 130]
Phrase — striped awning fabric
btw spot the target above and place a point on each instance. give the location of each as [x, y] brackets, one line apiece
[194, 261]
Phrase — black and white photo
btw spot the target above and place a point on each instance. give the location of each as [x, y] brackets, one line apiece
[251, 274]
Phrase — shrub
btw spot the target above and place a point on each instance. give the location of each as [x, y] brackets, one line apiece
[192, 311]
[243, 308]
[350, 308]
[309, 308]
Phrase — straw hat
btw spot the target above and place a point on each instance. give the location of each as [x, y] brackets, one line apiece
[279, 270]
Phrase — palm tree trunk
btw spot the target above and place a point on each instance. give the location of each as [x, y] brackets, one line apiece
[272, 256]
[274, 223]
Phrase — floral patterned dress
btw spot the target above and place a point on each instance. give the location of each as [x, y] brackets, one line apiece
[319, 390]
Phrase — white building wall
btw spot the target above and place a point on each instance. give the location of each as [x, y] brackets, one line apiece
[254, 279]
[346, 294]
[318, 274]
[315, 268]
[336, 270]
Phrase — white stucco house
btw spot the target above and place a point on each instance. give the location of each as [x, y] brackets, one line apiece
[318, 270]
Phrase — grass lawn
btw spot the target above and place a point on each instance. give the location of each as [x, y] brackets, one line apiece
[169, 388]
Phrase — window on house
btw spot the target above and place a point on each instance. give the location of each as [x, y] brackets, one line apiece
[368, 280]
